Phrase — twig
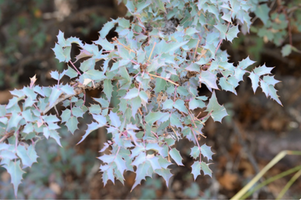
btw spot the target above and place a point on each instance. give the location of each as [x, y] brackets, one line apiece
[196, 48]
[150, 55]
[7, 135]
[163, 79]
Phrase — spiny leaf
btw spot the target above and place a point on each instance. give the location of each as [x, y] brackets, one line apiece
[165, 173]
[28, 156]
[15, 171]
[175, 155]
[218, 112]
[91, 127]
[209, 79]
[132, 93]
[115, 120]
[205, 168]
[108, 88]
[206, 152]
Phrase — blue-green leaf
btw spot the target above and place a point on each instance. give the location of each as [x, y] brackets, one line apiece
[196, 169]
[262, 12]
[205, 168]
[115, 120]
[132, 93]
[108, 88]
[180, 105]
[206, 152]
[102, 121]
[71, 124]
[209, 79]
[106, 29]
[175, 155]
[55, 93]
[28, 156]
[165, 173]
[15, 171]
[217, 111]
[153, 117]
[232, 33]
[91, 127]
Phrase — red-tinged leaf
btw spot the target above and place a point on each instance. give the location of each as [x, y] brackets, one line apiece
[32, 81]
[83, 54]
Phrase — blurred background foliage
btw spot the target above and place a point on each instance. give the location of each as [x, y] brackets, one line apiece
[28, 30]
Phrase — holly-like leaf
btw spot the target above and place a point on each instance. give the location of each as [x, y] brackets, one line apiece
[262, 12]
[196, 169]
[108, 88]
[15, 171]
[28, 156]
[195, 152]
[135, 103]
[91, 127]
[106, 28]
[143, 170]
[154, 116]
[160, 85]
[209, 79]
[205, 168]
[102, 121]
[180, 105]
[115, 120]
[176, 156]
[270, 91]
[107, 175]
[71, 124]
[132, 93]
[55, 93]
[232, 33]
[120, 163]
[255, 81]
[206, 152]
[165, 173]
[217, 111]
[259, 71]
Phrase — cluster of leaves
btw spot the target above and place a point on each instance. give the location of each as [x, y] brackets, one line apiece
[280, 20]
[149, 79]
[48, 179]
